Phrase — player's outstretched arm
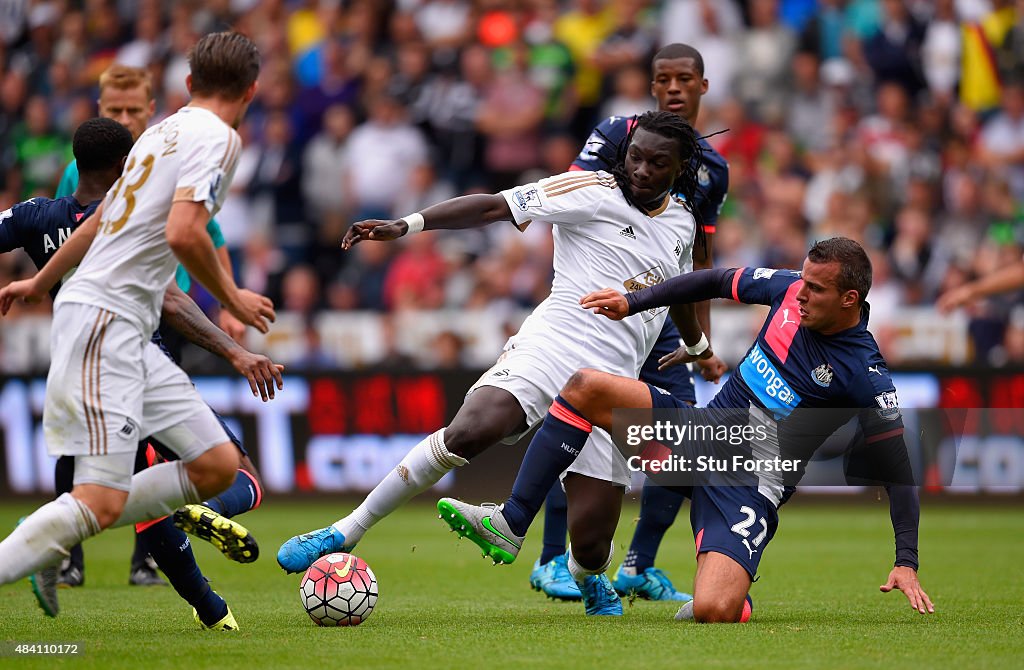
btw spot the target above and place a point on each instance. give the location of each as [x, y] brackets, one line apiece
[187, 237]
[691, 287]
[467, 211]
[683, 289]
[905, 512]
[184, 315]
[63, 261]
[1000, 281]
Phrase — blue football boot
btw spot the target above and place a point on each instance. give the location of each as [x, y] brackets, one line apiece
[300, 552]
[599, 597]
[651, 584]
[554, 580]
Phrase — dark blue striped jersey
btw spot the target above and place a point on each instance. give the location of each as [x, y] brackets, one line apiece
[40, 226]
[803, 384]
[712, 175]
[790, 367]
[813, 384]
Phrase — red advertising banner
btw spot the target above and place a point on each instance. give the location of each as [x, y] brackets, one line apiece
[341, 433]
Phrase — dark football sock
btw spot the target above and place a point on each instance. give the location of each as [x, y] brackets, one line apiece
[553, 449]
[172, 551]
[556, 524]
[658, 509]
[243, 495]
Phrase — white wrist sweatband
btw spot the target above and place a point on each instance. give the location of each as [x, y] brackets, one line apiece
[415, 223]
[700, 347]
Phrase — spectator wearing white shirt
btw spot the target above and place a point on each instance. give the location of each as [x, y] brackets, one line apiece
[1002, 139]
[382, 154]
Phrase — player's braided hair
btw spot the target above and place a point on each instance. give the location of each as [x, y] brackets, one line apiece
[674, 127]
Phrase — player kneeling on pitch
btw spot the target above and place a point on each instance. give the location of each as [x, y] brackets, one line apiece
[814, 351]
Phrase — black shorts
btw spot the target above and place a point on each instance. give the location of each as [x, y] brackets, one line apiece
[737, 521]
[733, 520]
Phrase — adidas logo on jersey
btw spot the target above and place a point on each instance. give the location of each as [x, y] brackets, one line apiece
[628, 232]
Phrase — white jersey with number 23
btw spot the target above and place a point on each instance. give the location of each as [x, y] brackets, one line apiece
[190, 156]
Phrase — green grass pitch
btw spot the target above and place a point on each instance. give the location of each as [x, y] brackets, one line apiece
[817, 604]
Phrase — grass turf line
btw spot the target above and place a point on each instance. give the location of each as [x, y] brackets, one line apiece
[441, 605]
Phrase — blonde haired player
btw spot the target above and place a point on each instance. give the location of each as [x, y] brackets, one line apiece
[108, 384]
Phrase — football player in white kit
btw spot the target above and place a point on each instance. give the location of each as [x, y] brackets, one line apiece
[619, 228]
[108, 384]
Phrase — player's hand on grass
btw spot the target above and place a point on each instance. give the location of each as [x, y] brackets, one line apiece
[607, 302]
[905, 579]
[231, 325]
[253, 309]
[373, 229]
[25, 289]
[263, 374]
[954, 298]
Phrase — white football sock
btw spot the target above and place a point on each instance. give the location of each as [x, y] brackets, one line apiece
[156, 492]
[44, 537]
[421, 468]
[579, 572]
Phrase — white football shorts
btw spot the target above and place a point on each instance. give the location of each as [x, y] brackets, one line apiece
[534, 376]
[109, 387]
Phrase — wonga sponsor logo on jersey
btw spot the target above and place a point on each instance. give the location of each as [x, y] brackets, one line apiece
[765, 380]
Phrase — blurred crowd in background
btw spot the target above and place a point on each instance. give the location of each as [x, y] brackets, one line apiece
[899, 123]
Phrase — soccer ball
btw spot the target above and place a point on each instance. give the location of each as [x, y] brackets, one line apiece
[338, 590]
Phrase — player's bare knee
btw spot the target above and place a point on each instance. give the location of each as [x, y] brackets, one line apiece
[716, 610]
[584, 390]
[106, 507]
[471, 433]
[106, 515]
[580, 388]
[463, 439]
[213, 472]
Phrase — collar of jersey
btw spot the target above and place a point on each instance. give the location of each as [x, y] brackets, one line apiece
[662, 207]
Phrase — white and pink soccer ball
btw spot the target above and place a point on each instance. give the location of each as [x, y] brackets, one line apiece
[338, 590]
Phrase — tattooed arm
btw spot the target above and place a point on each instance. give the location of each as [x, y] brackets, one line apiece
[184, 315]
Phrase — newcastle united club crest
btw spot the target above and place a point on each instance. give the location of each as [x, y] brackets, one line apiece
[822, 375]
